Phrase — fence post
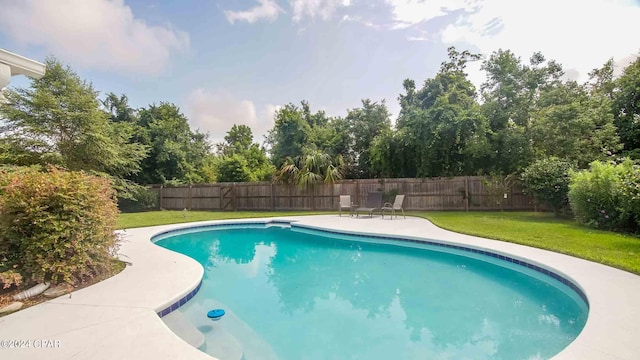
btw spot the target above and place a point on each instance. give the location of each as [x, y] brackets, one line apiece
[221, 202]
[233, 196]
[160, 204]
[189, 198]
[357, 192]
[333, 196]
[466, 193]
[273, 203]
[511, 195]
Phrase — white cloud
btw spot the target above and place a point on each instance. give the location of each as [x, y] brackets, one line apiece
[360, 20]
[581, 35]
[216, 112]
[300, 9]
[267, 9]
[407, 13]
[100, 34]
[418, 38]
[323, 9]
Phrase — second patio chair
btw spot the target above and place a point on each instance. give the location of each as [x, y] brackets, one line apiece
[397, 205]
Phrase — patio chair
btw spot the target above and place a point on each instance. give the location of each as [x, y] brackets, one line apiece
[373, 203]
[345, 203]
[397, 205]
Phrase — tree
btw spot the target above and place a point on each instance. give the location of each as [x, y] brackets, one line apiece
[506, 105]
[310, 169]
[388, 155]
[119, 109]
[288, 135]
[297, 127]
[177, 154]
[444, 128]
[626, 108]
[58, 120]
[242, 160]
[571, 125]
[367, 122]
[233, 168]
[238, 139]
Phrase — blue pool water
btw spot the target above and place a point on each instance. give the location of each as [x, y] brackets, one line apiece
[301, 295]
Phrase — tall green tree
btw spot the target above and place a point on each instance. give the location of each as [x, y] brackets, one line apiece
[119, 109]
[298, 127]
[366, 122]
[507, 106]
[626, 108]
[390, 156]
[445, 130]
[58, 120]
[238, 139]
[177, 153]
[240, 159]
[573, 125]
[288, 135]
[511, 94]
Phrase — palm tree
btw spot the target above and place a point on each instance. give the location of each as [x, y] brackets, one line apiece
[311, 168]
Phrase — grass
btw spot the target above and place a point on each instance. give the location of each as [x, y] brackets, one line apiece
[544, 230]
[152, 218]
[541, 230]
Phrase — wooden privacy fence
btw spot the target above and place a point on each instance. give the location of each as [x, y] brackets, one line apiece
[457, 193]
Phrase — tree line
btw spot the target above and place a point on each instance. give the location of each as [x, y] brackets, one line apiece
[524, 112]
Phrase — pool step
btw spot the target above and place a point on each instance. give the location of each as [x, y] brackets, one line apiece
[184, 329]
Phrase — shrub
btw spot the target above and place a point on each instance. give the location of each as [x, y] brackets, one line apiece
[9, 278]
[56, 225]
[547, 180]
[497, 187]
[233, 168]
[607, 196]
[138, 199]
[631, 196]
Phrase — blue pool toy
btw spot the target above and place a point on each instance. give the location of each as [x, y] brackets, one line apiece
[215, 314]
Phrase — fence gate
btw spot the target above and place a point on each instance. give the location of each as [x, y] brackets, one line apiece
[226, 197]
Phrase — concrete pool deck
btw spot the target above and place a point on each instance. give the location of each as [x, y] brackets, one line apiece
[117, 318]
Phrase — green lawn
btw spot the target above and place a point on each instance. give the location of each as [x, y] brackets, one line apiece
[541, 230]
[152, 218]
[544, 230]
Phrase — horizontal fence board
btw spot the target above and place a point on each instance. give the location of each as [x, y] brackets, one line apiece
[457, 193]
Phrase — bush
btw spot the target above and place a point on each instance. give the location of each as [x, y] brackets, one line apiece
[138, 199]
[547, 180]
[607, 196]
[233, 168]
[56, 226]
[631, 196]
[497, 187]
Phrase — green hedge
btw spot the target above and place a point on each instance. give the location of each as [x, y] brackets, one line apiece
[56, 225]
[547, 180]
[607, 196]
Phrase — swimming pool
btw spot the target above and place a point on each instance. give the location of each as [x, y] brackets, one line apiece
[295, 293]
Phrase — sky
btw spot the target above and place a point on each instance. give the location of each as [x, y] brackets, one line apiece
[226, 62]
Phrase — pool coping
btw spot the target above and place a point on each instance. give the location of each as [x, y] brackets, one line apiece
[159, 279]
